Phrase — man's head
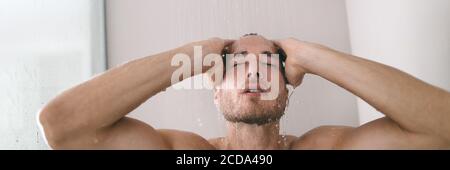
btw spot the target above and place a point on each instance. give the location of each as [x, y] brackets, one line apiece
[239, 96]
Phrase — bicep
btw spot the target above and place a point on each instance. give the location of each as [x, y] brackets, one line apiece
[384, 133]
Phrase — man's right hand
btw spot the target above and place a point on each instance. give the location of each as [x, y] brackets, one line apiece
[210, 46]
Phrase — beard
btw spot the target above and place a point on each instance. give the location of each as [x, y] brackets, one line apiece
[241, 109]
[258, 119]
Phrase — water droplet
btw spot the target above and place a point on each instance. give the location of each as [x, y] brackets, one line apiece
[199, 121]
[37, 137]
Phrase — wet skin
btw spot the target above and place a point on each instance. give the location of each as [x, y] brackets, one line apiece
[92, 115]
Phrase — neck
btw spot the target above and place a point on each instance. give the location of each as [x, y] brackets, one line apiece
[252, 136]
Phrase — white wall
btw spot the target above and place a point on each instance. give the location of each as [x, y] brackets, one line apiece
[411, 35]
[138, 28]
[45, 46]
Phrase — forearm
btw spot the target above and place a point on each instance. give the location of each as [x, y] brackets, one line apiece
[415, 105]
[105, 99]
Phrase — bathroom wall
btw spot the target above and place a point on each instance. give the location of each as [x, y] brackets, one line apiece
[139, 28]
[46, 46]
[411, 35]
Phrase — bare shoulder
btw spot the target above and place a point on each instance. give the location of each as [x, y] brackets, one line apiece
[132, 133]
[182, 140]
[382, 133]
[323, 137]
[129, 133]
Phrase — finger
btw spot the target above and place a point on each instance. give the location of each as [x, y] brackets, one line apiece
[277, 43]
[228, 42]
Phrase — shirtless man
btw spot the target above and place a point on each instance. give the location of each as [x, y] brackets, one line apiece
[92, 115]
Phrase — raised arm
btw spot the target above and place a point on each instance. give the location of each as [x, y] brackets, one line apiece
[92, 114]
[418, 114]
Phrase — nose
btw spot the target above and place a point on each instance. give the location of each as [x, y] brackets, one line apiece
[253, 75]
[253, 72]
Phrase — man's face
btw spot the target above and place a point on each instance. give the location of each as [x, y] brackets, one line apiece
[242, 95]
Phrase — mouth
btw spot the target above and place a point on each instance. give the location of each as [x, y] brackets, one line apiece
[253, 91]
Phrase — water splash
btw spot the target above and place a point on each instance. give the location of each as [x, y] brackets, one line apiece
[199, 122]
[284, 137]
[236, 127]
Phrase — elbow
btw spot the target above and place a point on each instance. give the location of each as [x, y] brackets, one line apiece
[51, 127]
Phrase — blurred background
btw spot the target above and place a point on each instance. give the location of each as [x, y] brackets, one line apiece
[47, 46]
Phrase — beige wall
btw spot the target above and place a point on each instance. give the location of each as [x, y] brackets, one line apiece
[137, 28]
[418, 45]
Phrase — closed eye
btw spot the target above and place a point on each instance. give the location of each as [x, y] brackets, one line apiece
[267, 53]
[236, 64]
[241, 54]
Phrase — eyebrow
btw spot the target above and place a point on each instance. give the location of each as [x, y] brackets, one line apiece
[268, 53]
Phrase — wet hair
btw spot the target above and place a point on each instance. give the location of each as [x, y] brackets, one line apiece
[282, 55]
[250, 34]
